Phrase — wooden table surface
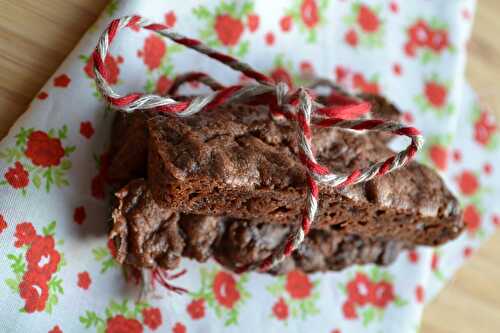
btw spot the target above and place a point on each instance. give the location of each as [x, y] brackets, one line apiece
[36, 35]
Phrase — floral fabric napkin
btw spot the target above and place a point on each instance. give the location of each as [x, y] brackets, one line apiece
[58, 273]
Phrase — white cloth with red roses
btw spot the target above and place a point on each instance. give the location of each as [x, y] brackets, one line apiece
[58, 273]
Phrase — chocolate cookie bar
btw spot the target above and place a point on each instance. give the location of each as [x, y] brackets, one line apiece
[236, 161]
[148, 235]
[129, 138]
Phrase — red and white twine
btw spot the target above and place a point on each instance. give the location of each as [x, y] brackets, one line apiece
[298, 107]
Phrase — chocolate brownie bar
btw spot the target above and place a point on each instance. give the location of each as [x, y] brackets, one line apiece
[149, 235]
[236, 161]
[129, 138]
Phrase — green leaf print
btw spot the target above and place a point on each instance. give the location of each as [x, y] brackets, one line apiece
[90, 319]
[63, 132]
[13, 285]
[50, 229]
[399, 302]
[18, 266]
[102, 255]
[368, 316]
[201, 12]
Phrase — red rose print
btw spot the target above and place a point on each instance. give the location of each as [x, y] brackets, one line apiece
[467, 252]
[17, 176]
[484, 128]
[286, 23]
[358, 81]
[25, 234]
[111, 247]
[62, 81]
[170, 19]
[79, 215]
[466, 14]
[43, 150]
[162, 85]
[434, 262]
[468, 183]
[269, 38]
[56, 329]
[457, 155]
[3, 224]
[281, 75]
[340, 73]
[436, 94]
[396, 68]
[488, 168]
[152, 318]
[196, 308]
[419, 294]
[419, 33]
[438, 40]
[154, 51]
[335, 331]
[413, 256]
[382, 294]
[408, 117]
[472, 218]
[86, 129]
[228, 29]
[112, 71]
[393, 6]
[225, 290]
[298, 285]
[306, 70]
[309, 13]
[439, 156]
[410, 49]
[351, 37]
[359, 289]
[371, 88]
[367, 19]
[253, 22]
[179, 328]
[84, 280]
[120, 324]
[496, 220]
[42, 256]
[33, 289]
[280, 309]
[349, 310]
[42, 95]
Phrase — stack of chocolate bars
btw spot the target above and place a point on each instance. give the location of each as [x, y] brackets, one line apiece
[227, 184]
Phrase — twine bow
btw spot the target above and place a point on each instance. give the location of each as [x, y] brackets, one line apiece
[299, 107]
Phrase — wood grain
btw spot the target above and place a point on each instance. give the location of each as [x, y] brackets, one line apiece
[35, 36]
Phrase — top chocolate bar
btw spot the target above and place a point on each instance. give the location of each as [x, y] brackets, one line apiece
[236, 161]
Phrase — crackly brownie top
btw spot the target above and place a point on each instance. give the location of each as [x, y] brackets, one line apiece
[241, 148]
[129, 137]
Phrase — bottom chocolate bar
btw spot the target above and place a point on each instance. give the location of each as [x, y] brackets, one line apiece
[148, 235]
